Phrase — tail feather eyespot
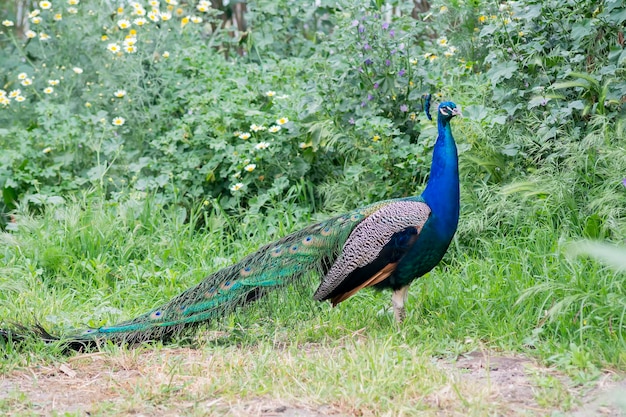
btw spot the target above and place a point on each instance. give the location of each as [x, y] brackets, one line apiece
[226, 285]
[326, 231]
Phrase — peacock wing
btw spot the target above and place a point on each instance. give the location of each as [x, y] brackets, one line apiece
[373, 249]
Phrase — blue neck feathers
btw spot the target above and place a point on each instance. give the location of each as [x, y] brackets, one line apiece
[442, 190]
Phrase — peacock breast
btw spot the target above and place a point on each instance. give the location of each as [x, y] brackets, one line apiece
[430, 247]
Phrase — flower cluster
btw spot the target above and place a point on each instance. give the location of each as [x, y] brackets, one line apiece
[26, 81]
[264, 140]
[132, 23]
[259, 128]
[5, 99]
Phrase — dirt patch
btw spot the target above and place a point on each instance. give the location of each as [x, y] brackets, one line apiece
[608, 398]
[93, 383]
[47, 389]
[173, 382]
[521, 386]
[506, 379]
[273, 408]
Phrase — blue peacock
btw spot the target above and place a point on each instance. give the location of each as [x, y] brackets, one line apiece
[386, 245]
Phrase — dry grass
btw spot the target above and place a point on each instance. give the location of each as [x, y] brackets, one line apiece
[299, 380]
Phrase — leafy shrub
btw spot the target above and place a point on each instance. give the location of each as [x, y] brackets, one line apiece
[137, 109]
[80, 109]
[148, 103]
[287, 28]
[239, 137]
[564, 59]
[372, 76]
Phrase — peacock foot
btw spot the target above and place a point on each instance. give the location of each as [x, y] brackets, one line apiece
[398, 299]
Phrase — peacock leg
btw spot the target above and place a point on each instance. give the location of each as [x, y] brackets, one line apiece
[398, 298]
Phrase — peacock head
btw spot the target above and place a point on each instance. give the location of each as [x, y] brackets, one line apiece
[447, 110]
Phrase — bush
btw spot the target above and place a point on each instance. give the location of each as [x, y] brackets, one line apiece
[137, 109]
[561, 60]
[81, 110]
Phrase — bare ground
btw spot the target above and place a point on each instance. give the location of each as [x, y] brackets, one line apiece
[517, 383]
[141, 384]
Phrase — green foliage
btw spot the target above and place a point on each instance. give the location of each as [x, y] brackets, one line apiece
[80, 110]
[372, 92]
[247, 145]
[137, 110]
[565, 58]
[371, 76]
[287, 28]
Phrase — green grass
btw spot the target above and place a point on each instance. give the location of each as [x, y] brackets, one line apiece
[91, 262]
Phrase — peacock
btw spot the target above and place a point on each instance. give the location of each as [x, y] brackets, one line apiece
[385, 245]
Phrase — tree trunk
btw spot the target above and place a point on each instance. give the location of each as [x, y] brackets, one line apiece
[419, 6]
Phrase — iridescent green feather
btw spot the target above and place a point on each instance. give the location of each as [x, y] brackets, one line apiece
[274, 265]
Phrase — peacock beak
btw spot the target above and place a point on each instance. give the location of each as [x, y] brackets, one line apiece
[457, 112]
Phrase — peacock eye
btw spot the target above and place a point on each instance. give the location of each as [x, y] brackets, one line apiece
[447, 111]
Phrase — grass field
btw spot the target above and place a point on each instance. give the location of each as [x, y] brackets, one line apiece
[499, 329]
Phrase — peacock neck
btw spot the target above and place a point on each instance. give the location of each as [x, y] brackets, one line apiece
[442, 189]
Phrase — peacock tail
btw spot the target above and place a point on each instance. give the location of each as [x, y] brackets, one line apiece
[386, 245]
[312, 249]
